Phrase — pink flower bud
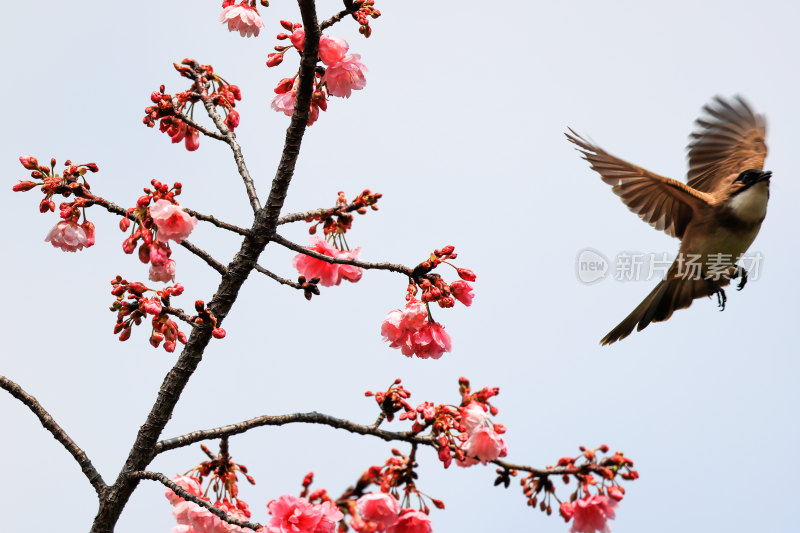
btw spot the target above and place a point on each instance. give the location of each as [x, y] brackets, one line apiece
[88, 228]
[23, 186]
[232, 120]
[298, 38]
[274, 59]
[466, 274]
[128, 245]
[124, 224]
[192, 141]
[29, 162]
[218, 333]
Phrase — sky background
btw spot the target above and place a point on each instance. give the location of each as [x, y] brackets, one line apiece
[461, 128]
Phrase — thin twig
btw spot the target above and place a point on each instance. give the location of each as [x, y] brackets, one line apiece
[58, 433]
[280, 420]
[277, 278]
[180, 313]
[338, 16]
[202, 129]
[205, 256]
[156, 476]
[296, 217]
[217, 222]
[360, 429]
[336, 260]
[230, 138]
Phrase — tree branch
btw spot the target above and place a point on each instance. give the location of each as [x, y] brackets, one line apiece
[202, 129]
[339, 16]
[205, 256]
[332, 211]
[156, 476]
[282, 281]
[328, 259]
[230, 138]
[143, 449]
[217, 222]
[281, 420]
[58, 433]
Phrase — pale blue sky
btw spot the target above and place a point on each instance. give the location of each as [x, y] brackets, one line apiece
[461, 128]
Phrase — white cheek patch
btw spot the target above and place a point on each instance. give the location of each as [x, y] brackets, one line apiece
[751, 205]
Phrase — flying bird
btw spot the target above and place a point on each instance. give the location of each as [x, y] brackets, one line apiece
[716, 214]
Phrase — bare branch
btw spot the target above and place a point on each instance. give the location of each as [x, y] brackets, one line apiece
[332, 211]
[328, 259]
[217, 222]
[205, 256]
[202, 129]
[156, 476]
[58, 433]
[280, 420]
[282, 281]
[340, 15]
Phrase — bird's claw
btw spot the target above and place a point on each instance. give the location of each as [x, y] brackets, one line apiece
[741, 272]
[721, 298]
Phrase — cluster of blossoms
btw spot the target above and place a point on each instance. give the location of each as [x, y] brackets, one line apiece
[365, 12]
[413, 329]
[341, 74]
[223, 477]
[335, 223]
[132, 306]
[382, 510]
[157, 219]
[242, 17]
[67, 234]
[292, 514]
[465, 431]
[592, 504]
[172, 112]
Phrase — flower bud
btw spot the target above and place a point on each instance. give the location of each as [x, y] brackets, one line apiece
[274, 59]
[218, 333]
[466, 274]
[23, 186]
[29, 162]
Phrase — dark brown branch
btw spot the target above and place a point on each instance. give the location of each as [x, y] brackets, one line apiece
[332, 211]
[205, 256]
[230, 138]
[143, 449]
[58, 433]
[217, 222]
[281, 420]
[156, 476]
[360, 429]
[180, 313]
[328, 259]
[339, 16]
[202, 129]
[282, 281]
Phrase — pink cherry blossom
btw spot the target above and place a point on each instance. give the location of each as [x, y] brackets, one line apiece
[189, 484]
[172, 221]
[164, 272]
[284, 103]
[473, 415]
[298, 38]
[329, 273]
[485, 445]
[183, 528]
[345, 76]
[412, 332]
[68, 236]
[291, 514]
[330, 515]
[182, 511]
[204, 521]
[378, 507]
[462, 291]
[332, 49]
[592, 514]
[411, 521]
[242, 18]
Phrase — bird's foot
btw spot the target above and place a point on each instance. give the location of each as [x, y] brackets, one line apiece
[721, 298]
[740, 272]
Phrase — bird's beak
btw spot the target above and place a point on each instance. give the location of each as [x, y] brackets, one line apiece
[765, 176]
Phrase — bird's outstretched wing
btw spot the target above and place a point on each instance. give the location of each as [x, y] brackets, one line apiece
[664, 203]
[727, 140]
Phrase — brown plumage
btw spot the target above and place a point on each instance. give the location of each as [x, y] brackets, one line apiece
[711, 214]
